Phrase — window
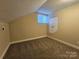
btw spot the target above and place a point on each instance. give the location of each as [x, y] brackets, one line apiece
[42, 19]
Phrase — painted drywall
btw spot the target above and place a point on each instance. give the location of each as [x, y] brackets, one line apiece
[68, 28]
[4, 37]
[26, 27]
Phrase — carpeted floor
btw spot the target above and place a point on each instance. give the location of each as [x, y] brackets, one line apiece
[43, 48]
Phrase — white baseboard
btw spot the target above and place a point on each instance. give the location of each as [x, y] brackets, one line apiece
[27, 39]
[5, 51]
[69, 44]
[66, 43]
[18, 42]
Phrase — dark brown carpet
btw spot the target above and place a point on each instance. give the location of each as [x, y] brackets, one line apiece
[43, 48]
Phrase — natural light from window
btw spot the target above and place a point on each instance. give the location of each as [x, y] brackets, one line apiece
[43, 19]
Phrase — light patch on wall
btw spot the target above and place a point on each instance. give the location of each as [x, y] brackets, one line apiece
[67, 1]
[53, 25]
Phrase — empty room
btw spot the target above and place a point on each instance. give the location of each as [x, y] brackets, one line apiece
[39, 29]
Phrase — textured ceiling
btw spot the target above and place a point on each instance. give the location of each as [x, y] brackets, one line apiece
[54, 5]
[10, 9]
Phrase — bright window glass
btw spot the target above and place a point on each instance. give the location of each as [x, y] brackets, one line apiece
[42, 18]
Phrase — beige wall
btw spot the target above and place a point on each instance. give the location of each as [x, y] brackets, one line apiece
[27, 27]
[68, 25]
[4, 37]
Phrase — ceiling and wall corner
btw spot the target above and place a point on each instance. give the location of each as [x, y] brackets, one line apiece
[51, 6]
[11, 9]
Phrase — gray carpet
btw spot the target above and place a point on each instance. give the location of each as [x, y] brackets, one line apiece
[43, 48]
